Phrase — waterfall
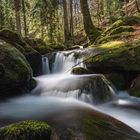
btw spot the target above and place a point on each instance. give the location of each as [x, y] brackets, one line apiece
[59, 92]
[63, 63]
[45, 65]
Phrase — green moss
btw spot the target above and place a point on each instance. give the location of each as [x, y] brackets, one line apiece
[121, 58]
[120, 36]
[121, 29]
[129, 21]
[79, 70]
[27, 130]
[113, 44]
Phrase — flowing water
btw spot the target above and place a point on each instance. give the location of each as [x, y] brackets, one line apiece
[58, 92]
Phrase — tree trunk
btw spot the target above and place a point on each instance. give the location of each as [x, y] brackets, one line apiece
[24, 18]
[137, 5]
[17, 14]
[71, 21]
[91, 31]
[66, 23]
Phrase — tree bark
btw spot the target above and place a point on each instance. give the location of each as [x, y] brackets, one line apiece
[71, 21]
[66, 23]
[17, 15]
[24, 18]
[91, 31]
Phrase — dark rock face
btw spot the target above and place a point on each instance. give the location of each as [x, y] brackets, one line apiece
[135, 87]
[33, 57]
[15, 71]
[27, 130]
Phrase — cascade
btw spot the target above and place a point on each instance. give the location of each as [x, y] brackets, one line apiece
[58, 93]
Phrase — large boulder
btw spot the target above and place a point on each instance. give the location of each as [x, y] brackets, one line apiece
[15, 71]
[118, 58]
[33, 57]
[27, 130]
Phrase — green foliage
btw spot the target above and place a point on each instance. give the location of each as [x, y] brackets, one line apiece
[27, 130]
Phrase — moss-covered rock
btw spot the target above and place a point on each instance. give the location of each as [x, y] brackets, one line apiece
[120, 30]
[79, 71]
[33, 57]
[135, 87]
[15, 71]
[117, 79]
[116, 59]
[27, 130]
[39, 45]
[119, 36]
[123, 24]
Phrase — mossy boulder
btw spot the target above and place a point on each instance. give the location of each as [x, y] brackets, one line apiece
[135, 87]
[33, 57]
[117, 79]
[15, 71]
[79, 71]
[39, 45]
[27, 130]
[117, 58]
[124, 23]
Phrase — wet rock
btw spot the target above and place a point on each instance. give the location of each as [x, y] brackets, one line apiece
[117, 79]
[135, 87]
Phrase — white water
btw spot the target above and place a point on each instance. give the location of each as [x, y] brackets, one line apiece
[63, 63]
[45, 64]
[61, 92]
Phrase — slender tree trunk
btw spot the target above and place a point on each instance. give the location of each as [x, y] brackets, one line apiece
[66, 23]
[24, 18]
[90, 29]
[17, 14]
[71, 21]
[137, 5]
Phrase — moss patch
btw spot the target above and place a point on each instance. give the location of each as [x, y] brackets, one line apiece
[113, 44]
[120, 59]
[27, 130]
[79, 70]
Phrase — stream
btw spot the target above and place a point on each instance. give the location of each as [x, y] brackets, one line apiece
[60, 94]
